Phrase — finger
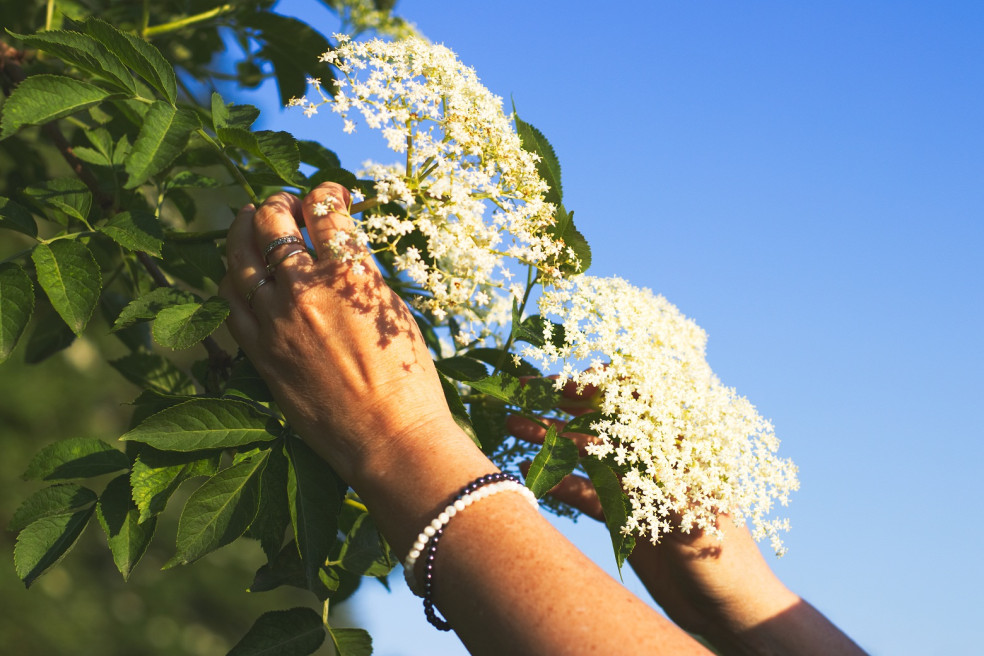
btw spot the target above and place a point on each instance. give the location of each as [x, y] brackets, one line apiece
[245, 264]
[577, 492]
[327, 219]
[276, 234]
[241, 321]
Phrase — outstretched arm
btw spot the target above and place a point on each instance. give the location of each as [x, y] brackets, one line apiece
[721, 589]
[348, 367]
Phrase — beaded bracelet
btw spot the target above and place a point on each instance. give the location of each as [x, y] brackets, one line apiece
[428, 539]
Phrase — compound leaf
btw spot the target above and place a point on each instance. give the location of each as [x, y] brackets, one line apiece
[43, 98]
[62, 499]
[183, 326]
[44, 542]
[163, 136]
[128, 539]
[556, 459]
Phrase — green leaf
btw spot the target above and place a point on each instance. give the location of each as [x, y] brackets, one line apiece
[458, 411]
[232, 115]
[316, 155]
[285, 569]
[294, 632]
[204, 257]
[147, 306]
[70, 276]
[614, 504]
[142, 57]
[557, 458]
[68, 195]
[163, 136]
[137, 231]
[273, 515]
[278, 150]
[488, 416]
[183, 326]
[220, 510]
[201, 424]
[63, 499]
[462, 368]
[191, 180]
[582, 423]
[77, 457]
[246, 382]
[50, 335]
[536, 394]
[85, 53]
[16, 217]
[128, 539]
[504, 361]
[157, 474]
[537, 330]
[16, 306]
[548, 167]
[351, 642]
[44, 542]
[364, 551]
[288, 43]
[155, 372]
[43, 98]
[315, 499]
[575, 241]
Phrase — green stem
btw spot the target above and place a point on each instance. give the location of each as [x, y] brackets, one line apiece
[530, 281]
[145, 16]
[367, 204]
[49, 14]
[194, 237]
[253, 198]
[181, 23]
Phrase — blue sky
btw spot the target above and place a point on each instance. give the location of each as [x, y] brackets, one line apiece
[806, 180]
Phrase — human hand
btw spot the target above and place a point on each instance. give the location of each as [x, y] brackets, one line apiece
[706, 584]
[339, 349]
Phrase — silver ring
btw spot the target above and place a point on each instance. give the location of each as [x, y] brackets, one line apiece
[249, 294]
[280, 241]
[271, 267]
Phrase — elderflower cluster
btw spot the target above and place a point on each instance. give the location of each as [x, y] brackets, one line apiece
[467, 202]
[688, 447]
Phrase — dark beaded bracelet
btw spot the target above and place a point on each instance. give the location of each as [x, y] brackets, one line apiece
[429, 610]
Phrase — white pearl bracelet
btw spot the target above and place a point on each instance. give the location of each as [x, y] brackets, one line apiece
[450, 511]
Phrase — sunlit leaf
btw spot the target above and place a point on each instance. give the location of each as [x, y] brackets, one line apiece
[163, 136]
[220, 510]
[141, 56]
[201, 424]
[556, 459]
[364, 551]
[157, 474]
[137, 231]
[183, 326]
[76, 457]
[84, 53]
[128, 539]
[69, 275]
[147, 306]
[350, 642]
[462, 368]
[614, 503]
[43, 98]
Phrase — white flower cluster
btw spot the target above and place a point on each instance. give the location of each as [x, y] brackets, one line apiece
[469, 194]
[690, 448]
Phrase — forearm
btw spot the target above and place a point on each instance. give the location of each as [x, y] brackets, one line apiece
[505, 579]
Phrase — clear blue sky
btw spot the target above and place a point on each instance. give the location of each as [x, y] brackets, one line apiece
[806, 180]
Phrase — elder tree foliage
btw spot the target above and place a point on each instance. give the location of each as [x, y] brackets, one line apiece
[112, 89]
